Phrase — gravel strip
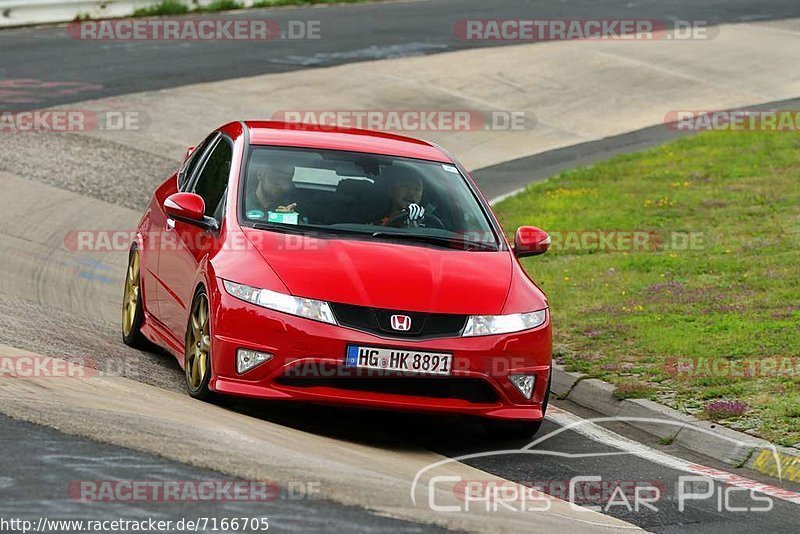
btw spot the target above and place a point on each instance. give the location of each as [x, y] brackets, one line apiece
[93, 343]
[101, 169]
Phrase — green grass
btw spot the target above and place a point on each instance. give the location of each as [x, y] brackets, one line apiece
[219, 5]
[164, 8]
[630, 389]
[624, 316]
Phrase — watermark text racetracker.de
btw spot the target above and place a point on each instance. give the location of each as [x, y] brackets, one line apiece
[194, 29]
[151, 525]
[411, 120]
[626, 240]
[565, 241]
[73, 120]
[36, 366]
[109, 491]
[66, 366]
[701, 367]
[740, 120]
[607, 29]
[187, 239]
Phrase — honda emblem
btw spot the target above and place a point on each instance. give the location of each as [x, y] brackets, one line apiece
[401, 323]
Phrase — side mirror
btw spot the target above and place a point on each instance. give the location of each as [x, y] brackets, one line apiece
[189, 152]
[189, 208]
[530, 241]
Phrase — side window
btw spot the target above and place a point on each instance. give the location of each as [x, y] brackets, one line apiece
[194, 160]
[213, 179]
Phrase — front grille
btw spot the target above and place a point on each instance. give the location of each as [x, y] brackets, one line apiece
[474, 390]
[378, 321]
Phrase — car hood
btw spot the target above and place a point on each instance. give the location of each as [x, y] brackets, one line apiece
[386, 274]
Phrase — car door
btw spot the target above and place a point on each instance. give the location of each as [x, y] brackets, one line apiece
[188, 244]
[157, 236]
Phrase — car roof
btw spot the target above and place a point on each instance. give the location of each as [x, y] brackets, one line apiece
[274, 133]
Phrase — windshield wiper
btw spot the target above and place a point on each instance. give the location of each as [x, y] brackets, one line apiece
[315, 230]
[306, 229]
[277, 227]
[447, 242]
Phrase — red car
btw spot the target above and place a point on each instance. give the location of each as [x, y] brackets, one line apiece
[340, 266]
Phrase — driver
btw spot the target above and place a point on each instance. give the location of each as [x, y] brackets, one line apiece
[405, 193]
[275, 190]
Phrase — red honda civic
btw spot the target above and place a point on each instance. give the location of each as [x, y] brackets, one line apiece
[340, 266]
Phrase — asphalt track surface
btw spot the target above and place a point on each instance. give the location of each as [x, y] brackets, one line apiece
[31, 486]
[348, 34]
[576, 456]
[497, 181]
[33, 477]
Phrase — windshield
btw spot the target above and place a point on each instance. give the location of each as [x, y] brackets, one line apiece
[363, 196]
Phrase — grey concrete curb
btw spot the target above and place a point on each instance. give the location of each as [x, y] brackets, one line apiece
[704, 437]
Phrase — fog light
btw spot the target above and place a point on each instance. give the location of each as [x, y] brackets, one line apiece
[524, 383]
[247, 359]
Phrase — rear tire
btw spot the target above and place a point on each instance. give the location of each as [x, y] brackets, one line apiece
[132, 305]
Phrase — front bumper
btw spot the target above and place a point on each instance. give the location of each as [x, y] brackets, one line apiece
[308, 365]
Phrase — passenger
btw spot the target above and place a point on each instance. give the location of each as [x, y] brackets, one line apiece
[274, 191]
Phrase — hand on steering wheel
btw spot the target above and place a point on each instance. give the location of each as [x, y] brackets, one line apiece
[414, 215]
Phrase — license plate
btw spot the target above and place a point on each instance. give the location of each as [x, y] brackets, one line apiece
[403, 360]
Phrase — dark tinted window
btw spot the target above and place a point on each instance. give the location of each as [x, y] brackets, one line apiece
[373, 196]
[194, 160]
[213, 179]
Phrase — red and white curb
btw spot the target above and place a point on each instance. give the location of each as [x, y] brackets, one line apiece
[592, 430]
[710, 439]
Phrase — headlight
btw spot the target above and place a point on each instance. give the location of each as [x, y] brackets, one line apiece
[486, 325]
[317, 310]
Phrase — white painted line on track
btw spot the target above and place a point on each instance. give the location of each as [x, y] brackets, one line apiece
[590, 429]
[625, 446]
[510, 194]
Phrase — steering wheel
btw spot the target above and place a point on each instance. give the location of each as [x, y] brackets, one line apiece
[428, 221]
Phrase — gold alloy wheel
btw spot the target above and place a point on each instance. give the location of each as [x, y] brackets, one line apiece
[198, 344]
[130, 301]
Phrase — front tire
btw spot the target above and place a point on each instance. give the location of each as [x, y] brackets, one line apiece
[521, 429]
[132, 304]
[515, 429]
[197, 351]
